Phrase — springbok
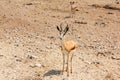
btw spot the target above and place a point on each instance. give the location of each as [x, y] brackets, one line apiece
[67, 46]
[73, 8]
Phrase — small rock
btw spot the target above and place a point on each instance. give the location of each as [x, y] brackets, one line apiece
[29, 4]
[117, 3]
[109, 13]
[48, 47]
[19, 60]
[35, 65]
[1, 55]
[38, 65]
[32, 57]
[80, 22]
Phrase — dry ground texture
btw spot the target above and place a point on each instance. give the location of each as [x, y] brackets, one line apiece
[30, 47]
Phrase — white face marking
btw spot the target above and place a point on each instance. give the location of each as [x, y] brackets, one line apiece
[61, 36]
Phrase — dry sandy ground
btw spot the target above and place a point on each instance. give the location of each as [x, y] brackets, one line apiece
[30, 47]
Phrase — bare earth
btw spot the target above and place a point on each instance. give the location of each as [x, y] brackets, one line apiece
[30, 47]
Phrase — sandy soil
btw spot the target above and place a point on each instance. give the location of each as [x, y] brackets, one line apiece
[30, 47]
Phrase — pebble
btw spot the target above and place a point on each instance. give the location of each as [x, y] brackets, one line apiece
[32, 57]
[36, 65]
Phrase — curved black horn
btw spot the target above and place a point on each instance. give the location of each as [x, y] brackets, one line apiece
[61, 27]
[66, 29]
[58, 28]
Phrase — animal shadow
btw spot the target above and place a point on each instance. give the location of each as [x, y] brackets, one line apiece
[52, 72]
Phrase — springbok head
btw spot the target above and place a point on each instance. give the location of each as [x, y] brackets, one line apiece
[72, 2]
[62, 31]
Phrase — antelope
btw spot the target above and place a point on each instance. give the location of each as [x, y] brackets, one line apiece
[67, 46]
[73, 8]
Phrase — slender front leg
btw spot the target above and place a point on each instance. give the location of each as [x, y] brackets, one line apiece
[71, 63]
[63, 63]
[63, 55]
[68, 64]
